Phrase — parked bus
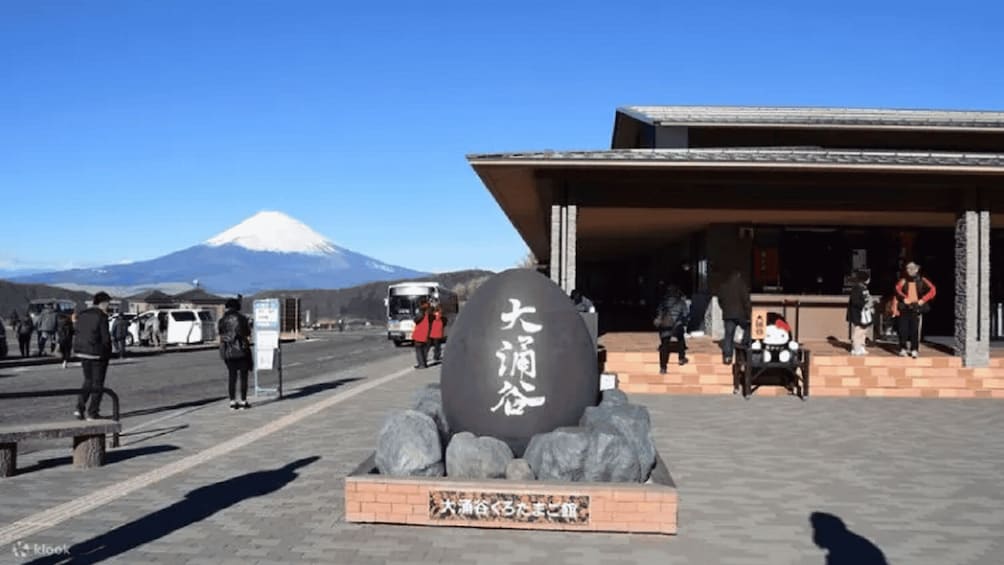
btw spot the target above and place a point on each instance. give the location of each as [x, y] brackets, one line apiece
[402, 307]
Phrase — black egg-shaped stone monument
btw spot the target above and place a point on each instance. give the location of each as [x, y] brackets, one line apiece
[520, 362]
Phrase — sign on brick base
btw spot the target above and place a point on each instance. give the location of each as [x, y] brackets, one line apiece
[451, 505]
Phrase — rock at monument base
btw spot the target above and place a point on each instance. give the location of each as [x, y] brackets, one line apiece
[614, 396]
[409, 446]
[519, 470]
[611, 458]
[429, 401]
[472, 457]
[521, 362]
[559, 455]
[632, 422]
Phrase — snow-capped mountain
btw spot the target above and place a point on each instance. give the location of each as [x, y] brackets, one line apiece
[269, 250]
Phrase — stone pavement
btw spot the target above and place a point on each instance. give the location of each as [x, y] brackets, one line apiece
[919, 478]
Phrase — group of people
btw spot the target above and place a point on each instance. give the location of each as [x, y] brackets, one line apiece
[51, 329]
[429, 332]
[912, 299]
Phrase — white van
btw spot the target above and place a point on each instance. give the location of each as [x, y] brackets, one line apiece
[183, 326]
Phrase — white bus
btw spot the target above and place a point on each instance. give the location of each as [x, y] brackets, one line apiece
[402, 307]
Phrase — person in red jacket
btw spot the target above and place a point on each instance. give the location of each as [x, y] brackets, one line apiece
[437, 334]
[421, 334]
[913, 296]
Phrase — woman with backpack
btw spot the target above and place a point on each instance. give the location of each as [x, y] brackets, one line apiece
[671, 322]
[235, 350]
[860, 313]
[422, 333]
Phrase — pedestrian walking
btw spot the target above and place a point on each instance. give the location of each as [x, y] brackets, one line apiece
[420, 335]
[93, 344]
[235, 350]
[860, 313]
[47, 322]
[913, 296]
[25, 328]
[671, 322]
[437, 333]
[734, 300]
[120, 332]
[153, 323]
[65, 330]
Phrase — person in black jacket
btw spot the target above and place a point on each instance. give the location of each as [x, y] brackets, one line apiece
[93, 345]
[64, 330]
[235, 350]
[120, 331]
[24, 328]
[734, 299]
[671, 321]
[860, 312]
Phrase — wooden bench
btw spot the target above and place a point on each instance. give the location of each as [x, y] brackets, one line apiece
[88, 441]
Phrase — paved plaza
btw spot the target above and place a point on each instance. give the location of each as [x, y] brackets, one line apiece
[919, 478]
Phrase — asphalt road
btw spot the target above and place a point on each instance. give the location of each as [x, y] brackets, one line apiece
[153, 386]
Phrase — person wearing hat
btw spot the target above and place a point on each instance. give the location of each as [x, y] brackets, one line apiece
[913, 297]
[93, 344]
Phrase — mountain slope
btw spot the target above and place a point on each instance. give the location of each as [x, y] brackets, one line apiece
[268, 250]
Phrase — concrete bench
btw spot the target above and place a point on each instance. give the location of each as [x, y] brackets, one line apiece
[88, 441]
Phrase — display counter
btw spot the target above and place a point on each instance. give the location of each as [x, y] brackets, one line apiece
[812, 317]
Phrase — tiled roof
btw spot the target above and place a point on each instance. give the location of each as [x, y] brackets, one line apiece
[781, 116]
[789, 156]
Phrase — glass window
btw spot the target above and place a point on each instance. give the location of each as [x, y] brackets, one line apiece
[205, 316]
[183, 316]
[402, 307]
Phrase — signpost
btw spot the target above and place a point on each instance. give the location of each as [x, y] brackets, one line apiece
[267, 350]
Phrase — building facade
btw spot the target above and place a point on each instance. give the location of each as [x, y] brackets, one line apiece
[796, 199]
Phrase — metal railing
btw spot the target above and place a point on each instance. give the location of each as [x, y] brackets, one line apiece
[69, 392]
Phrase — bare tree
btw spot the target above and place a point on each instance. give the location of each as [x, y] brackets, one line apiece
[529, 261]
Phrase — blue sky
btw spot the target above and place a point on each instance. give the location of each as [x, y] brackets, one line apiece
[132, 129]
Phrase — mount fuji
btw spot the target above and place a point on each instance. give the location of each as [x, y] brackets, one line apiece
[269, 250]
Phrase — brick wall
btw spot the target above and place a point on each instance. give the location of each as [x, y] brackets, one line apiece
[614, 507]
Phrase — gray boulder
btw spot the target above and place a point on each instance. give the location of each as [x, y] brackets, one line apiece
[611, 458]
[429, 401]
[629, 420]
[559, 455]
[472, 457]
[409, 445]
[614, 396]
[519, 470]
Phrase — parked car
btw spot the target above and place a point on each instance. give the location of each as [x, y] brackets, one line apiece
[184, 326]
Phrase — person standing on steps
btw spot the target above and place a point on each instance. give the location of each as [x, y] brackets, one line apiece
[421, 334]
[93, 344]
[671, 321]
[860, 313]
[235, 350]
[734, 299]
[25, 328]
[913, 296]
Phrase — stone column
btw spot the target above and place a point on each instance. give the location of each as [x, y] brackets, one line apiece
[571, 233]
[554, 267]
[972, 287]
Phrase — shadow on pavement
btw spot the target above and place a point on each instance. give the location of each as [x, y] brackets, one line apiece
[197, 505]
[177, 406]
[843, 546]
[111, 457]
[319, 387]
[147, 435]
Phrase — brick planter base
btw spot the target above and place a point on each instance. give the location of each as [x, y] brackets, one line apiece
[497, 503]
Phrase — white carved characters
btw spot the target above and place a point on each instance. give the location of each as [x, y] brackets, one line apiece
[518, 362]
